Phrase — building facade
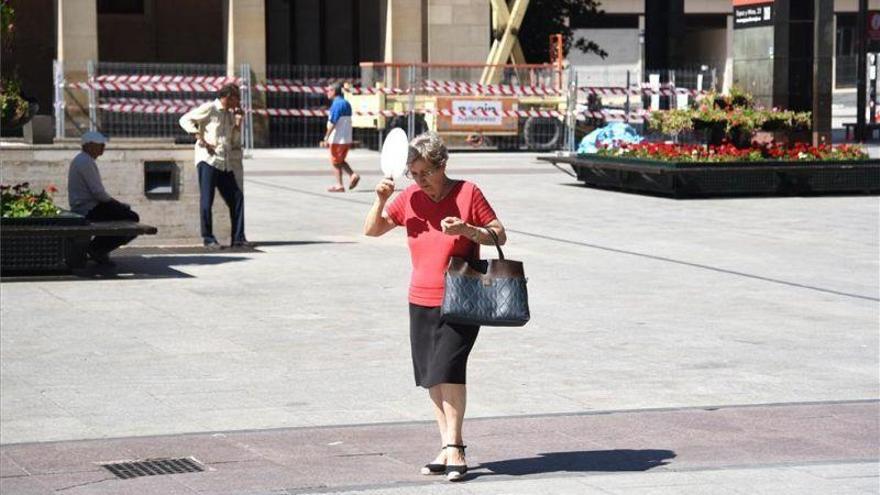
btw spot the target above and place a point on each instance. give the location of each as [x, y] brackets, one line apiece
[705, 39]
[266, 33]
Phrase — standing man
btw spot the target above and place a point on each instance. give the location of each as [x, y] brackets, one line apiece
[338, 137]
[86, 195]
[217, 126]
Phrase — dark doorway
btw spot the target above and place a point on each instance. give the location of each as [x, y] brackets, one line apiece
[323, 32]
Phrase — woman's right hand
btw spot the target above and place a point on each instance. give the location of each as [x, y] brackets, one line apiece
[385, 189]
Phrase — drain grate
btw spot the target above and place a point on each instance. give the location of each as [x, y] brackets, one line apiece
[153, 467]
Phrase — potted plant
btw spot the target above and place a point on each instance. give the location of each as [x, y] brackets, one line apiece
[19, 205]
[671, 122]
[713, 122]
[15, 111]
[784, 127]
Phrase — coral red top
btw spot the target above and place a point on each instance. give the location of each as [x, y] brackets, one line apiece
[429, 247]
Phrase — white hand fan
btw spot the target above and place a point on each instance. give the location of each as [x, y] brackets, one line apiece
[394, 153]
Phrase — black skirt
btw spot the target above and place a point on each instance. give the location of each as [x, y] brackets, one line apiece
[439, 349]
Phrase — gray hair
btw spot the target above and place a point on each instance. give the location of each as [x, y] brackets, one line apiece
[429, 147]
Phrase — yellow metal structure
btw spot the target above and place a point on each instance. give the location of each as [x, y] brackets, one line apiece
[486, 111]
[505, 26]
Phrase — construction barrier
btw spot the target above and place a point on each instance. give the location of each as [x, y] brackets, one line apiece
[144, 100]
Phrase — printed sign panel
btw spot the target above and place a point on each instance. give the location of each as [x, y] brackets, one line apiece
[475, 114]
[752, 15]
[469, 112]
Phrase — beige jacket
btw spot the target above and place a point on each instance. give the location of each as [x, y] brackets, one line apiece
[217, 127]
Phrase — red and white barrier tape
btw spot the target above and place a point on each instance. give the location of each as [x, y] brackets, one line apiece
[644, 91]
[134, 108]
[278, 86]
[476, 112]
[312, 81]
[177, 106]
[292, 112]
[185, 102]
[457, 87]
[613, 115]
[161, 78]
[155, 87]
[301, 112]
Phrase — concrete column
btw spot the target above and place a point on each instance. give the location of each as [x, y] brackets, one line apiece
[728, 61]
[403, 31]
[246, 36]
[638, 79]
[245, 43]
[834, 52]
[823, 53]
[77, 45]
[77, 36]
[663, 34]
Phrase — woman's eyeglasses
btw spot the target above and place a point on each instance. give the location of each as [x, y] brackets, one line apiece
[420, 175]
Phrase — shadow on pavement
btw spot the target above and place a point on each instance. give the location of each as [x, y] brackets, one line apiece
[129, 267]
[578, 461]
[296, 243]
[134, 263]
[143, 267]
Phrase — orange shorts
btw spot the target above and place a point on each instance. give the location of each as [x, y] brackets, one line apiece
[338, 152]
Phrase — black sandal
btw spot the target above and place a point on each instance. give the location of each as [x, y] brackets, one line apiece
[429, 469]
[456, 472]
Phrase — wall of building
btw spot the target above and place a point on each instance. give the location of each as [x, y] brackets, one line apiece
[624, 6]
[853, 5]
[708, 6]
[122, 172]
[403, 31]
[168, 31]
[459, 31]
[715, 6]
[624, 54]
[706, 47]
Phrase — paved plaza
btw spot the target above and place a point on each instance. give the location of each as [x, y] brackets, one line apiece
[725, 346]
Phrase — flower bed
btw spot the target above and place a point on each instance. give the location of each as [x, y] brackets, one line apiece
[682, 175]
[728, 153]
[18, 201]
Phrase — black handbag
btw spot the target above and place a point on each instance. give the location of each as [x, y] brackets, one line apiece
[486, 292]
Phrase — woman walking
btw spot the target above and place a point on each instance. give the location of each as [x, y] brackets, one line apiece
[443, 218]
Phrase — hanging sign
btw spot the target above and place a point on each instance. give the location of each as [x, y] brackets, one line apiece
[752, 13]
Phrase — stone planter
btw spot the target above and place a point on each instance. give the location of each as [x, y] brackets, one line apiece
[686, 180]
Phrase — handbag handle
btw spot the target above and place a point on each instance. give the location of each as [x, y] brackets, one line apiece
[495, 240]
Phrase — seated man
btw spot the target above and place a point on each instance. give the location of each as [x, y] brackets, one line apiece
[87, 196]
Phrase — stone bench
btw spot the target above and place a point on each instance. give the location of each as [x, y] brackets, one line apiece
[35, 248]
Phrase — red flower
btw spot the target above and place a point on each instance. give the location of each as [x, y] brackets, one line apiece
[52, 189]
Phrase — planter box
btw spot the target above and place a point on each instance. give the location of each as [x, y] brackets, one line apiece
[41, 253]
[684, 180]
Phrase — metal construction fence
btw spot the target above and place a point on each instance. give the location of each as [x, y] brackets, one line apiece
[299, 90]
[536, 107]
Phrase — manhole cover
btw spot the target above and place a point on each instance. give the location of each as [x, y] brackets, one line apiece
[153, 467]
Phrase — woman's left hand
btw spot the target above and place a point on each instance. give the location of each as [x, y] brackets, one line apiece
[454, 226]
